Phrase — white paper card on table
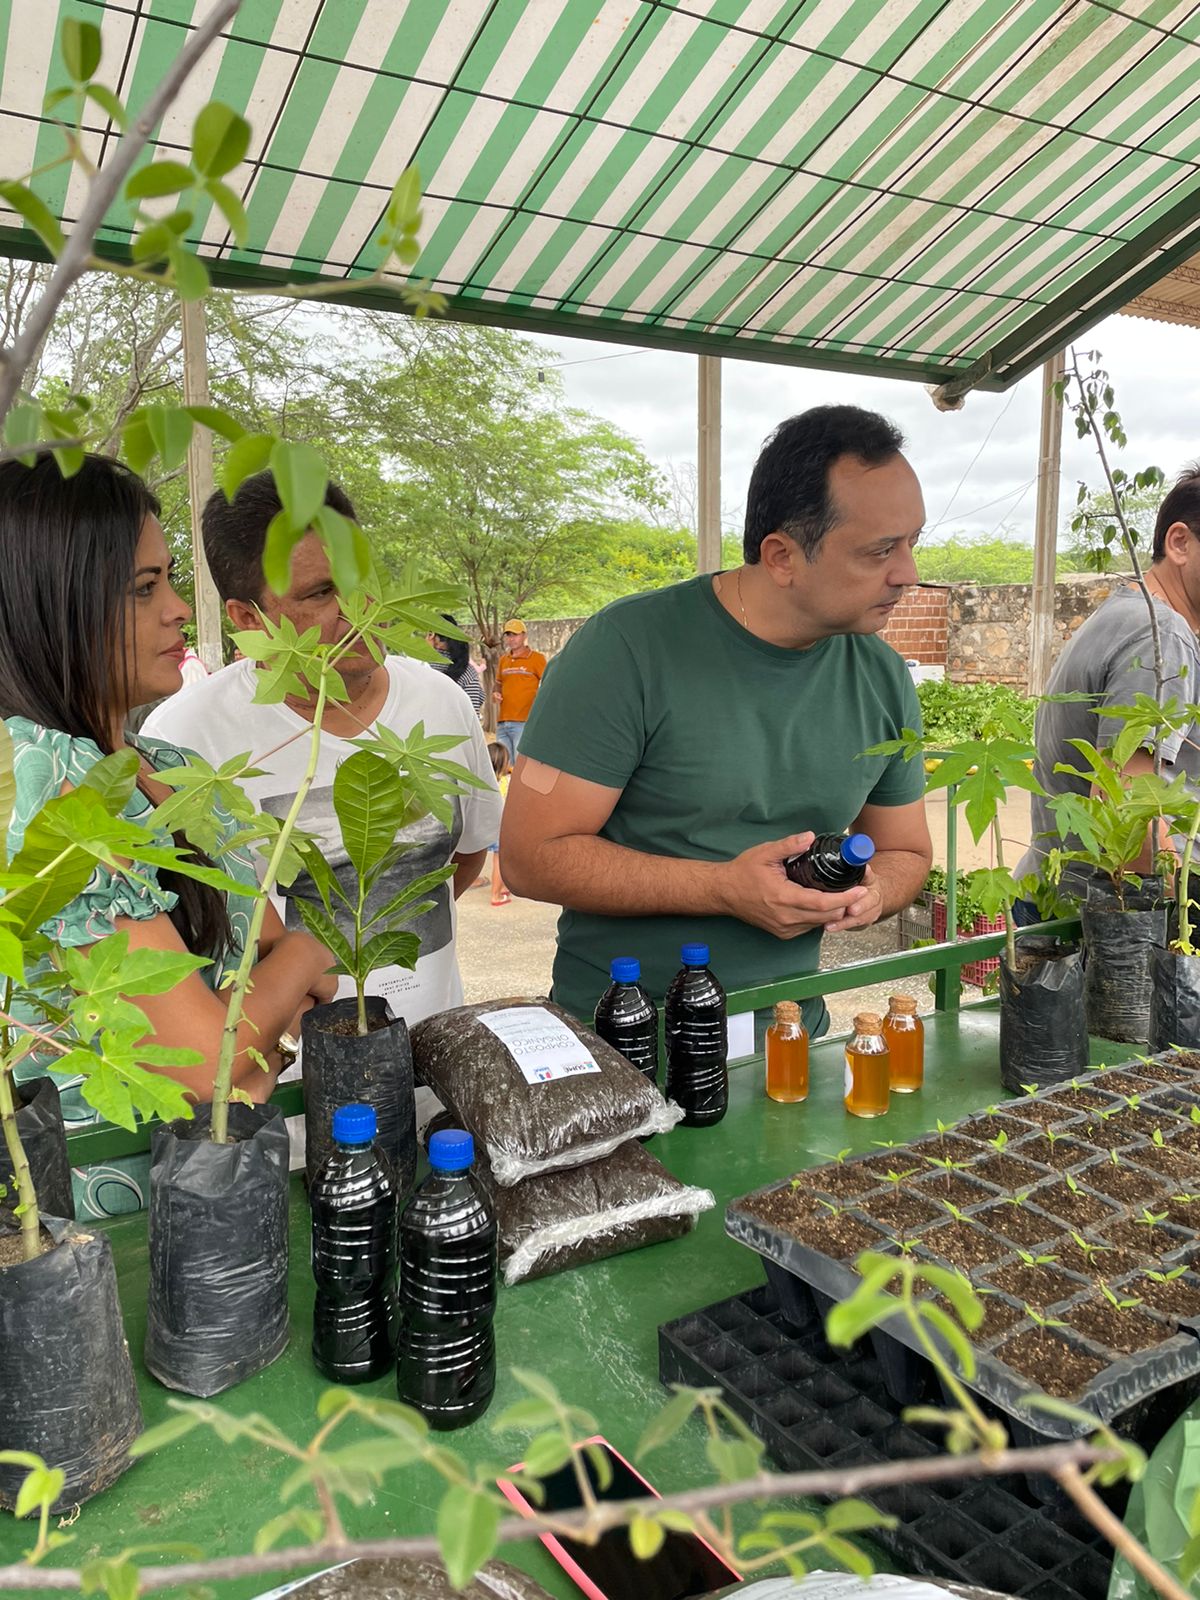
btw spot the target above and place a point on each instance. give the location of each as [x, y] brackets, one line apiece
[542, 1045]
[739, 1032]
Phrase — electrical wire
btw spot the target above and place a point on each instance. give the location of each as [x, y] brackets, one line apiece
[996, 420]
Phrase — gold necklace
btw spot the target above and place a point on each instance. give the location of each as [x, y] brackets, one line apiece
[741, 603]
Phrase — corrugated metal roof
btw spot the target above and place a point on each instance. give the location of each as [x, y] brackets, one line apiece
[938, 189]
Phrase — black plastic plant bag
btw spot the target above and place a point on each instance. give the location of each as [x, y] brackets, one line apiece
[67, 1391]
[1043, 1024]
[576, 1215]
[1118, 935]
[40, 1125]
[1174, 1000]
[342, 1069]
[216, 1309]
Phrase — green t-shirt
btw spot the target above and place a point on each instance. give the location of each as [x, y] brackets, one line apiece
[718, 741]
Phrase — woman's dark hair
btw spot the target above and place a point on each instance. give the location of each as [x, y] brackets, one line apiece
[1182, 504]
[67, 551]
[457, 652]
[789, 487]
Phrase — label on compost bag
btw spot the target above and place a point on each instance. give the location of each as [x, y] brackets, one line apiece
[542, 1046]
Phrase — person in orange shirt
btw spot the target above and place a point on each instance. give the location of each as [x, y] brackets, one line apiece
[518, 678]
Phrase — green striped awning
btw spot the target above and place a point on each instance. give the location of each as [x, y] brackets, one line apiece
[937, 189]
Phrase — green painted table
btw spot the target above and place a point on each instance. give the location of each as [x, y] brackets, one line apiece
[592, 1331]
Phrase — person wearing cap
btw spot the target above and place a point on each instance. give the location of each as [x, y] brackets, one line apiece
[687, 741]
[518, 679]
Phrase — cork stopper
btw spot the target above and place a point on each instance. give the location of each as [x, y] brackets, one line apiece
[787, 1011]
[868, 1022]
[904, 1005]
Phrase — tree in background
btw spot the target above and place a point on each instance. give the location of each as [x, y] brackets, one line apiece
[453, 442]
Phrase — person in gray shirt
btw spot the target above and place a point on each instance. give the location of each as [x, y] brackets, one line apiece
[1111, 657]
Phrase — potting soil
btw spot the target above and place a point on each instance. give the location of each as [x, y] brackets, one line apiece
[1135, 1371]
[538, 1090]
[570, 1217]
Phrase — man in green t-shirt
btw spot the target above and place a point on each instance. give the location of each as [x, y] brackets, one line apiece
[687, 740]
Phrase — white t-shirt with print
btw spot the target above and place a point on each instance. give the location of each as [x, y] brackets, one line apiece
[218, 719]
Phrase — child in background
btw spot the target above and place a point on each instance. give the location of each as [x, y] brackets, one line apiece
[502, 767]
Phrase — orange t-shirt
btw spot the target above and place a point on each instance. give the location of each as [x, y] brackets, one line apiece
[519, 677]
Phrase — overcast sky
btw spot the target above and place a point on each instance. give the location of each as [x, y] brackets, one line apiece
[977, 465]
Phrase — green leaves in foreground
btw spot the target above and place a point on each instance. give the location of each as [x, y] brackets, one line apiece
[789, 1536]
[887, 1290]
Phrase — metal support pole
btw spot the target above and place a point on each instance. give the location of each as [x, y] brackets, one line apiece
[708, 465]
[1041, 619]
[200, 485]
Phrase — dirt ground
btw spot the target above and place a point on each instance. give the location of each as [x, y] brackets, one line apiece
[509, 950]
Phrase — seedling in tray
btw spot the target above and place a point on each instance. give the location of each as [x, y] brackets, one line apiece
[1040, 1320]
[1116, 1300]
[1036, 1261]
[1167, 1277]
[1090, 1249]
[945, 1165]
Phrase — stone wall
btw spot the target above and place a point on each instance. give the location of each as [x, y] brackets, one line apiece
[978, 632]
[988, 633]
[549, 637]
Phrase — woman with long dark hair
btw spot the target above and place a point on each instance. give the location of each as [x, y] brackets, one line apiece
[458, 664]
[89, 629]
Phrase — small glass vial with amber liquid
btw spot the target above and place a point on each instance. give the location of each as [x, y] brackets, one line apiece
[904, 1034]
[787, 1054]
[867, 1068]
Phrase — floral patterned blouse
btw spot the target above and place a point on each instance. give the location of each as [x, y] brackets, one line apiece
[43, 761]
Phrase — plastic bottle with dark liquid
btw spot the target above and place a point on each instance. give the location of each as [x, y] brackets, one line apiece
[627, 1018]
[904, 1033]
[867, 1068]
[446, 1351]
[832, 863]
[787, 1054]
[353, 1201]
[697, 1042]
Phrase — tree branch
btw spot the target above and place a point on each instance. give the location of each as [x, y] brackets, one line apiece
[103, 191]
[1052, 1459]
[1114, 1530]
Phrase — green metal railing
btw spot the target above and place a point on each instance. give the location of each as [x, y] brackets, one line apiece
[104, 1142]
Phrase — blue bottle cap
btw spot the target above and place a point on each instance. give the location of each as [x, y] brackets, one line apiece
[858, 849]
[354, 1124]
[451, 1150]
[625, 969]
[694, 955]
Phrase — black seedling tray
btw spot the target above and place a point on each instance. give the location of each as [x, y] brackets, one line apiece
[815, 1408]
[1140, 1393]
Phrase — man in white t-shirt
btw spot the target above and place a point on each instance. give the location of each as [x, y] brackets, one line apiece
[218, 719]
